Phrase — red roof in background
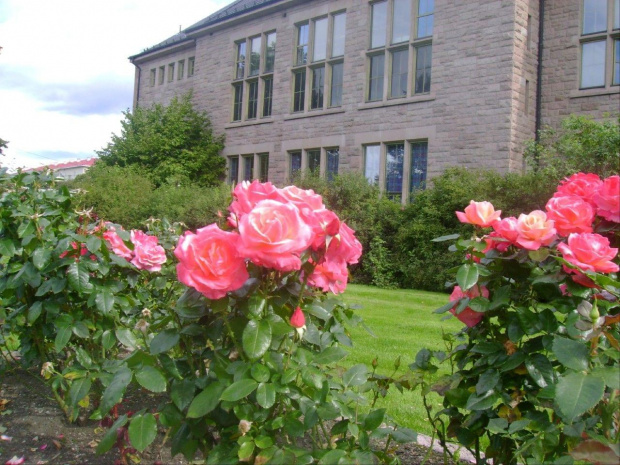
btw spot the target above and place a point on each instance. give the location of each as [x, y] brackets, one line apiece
[69, 164]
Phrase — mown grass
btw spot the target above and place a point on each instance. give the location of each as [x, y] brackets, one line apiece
[403, 323]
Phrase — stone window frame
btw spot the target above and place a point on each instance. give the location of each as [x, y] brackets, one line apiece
[306, 159]
[610, 37]
[238, 168]
[387, 50]
[406, 174]
[308, 67]
[261, 81]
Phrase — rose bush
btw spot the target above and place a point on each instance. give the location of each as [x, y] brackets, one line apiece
[534, 374]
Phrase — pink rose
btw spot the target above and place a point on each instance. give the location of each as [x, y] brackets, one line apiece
[589, 252]
[248, 194]
[505, 228]
[148, 255]
[303, 199]
[570, 214]
[298, 320]
[330, 275]
[468, 316]
[534, 230]
[326, 224]
[117, 244]
[480, 214]
[607, 199]
[580, 184]
[74, 246]
[274, 235]
[209, 261]
[345, 246]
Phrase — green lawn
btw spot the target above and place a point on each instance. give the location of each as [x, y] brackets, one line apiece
[403, 322]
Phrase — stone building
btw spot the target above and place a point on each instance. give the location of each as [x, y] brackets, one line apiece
[396, 89]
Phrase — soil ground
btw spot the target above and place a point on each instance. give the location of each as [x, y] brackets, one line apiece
[34, 427]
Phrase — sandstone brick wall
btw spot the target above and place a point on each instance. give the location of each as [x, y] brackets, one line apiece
[561, 68]
[474, 116]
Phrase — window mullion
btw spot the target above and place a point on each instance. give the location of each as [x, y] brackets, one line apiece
[406, 172]
[382, 168]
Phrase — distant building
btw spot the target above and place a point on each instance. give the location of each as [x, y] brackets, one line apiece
[68, 170]
[396, 89]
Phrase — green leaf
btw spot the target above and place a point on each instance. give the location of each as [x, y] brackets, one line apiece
[79, 389]
[142, 431]
[576, 393]
[7, 248]
[571, 354]
[164, 341]
[332, 457]
[206, 401]
[609, 375]
[246, 450]
[41, 257]
[105, 300]
[487, 381]
[81, 330]
[151, 378]
[110, 437]
[115, 390]
[374, 419]
[266, 395]
[108, 339]
[482, 402]
[35, 311]
[93, 243]
[467, 276]
[260, 373]
[79, 278]
[449, 237]
[540, 369]
[256, 338]
[355, 376]
[497, 425]
[126, 337]
[182, 392]
[238, 390]
[62, 338]
[330, 355]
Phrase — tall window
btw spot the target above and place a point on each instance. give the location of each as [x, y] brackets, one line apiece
[162, 70]
[294, 164]
[333, 156]
[181, 70]
[397, 168]
[253, 77]
[600, 35]
[319, 63]
[400, 48]
[314, 161]
[233, 170]
[263, 167]
[322, 161]
[190, 66]
[170, 72]
[248, 167]
[152, 77]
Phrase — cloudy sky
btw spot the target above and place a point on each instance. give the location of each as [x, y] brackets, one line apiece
[64, 74]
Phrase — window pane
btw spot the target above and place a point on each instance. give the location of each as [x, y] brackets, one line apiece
[314, 161]
[425, 18]
[295, 163]
[594, 16]
[152, 77]
[318, 86]
[237, 102]
[255, 56]
[616, 61]
[267, 96]
[339, 34]
[375, 87]
[320, 39]
[162, 70]
[181, 71]
[372, 162]
[302, 44]
[332, 163]
[300, 91]
[248, 168]
[423, 69]
[617, 15]
[419, 156]
[190, 66]
[593, 64]
[253, 99]
[336, 88]
[233, 170]
[400, 61]
[171, 72]
[263, 167]
[379, 22]
[270, 53]
[394, 170]
[401, 21]
[240, 60]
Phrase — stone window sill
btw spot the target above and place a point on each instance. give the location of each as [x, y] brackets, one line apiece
[313, 113]
[394, 102]
[253, 122]
[594, 92]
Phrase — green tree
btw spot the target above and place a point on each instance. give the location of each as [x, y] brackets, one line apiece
[3, 145]
[172, 144]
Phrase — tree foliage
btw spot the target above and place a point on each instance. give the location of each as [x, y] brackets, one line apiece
[3, 145]
[172, 144]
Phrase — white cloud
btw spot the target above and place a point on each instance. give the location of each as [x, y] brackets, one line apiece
[68, 68]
